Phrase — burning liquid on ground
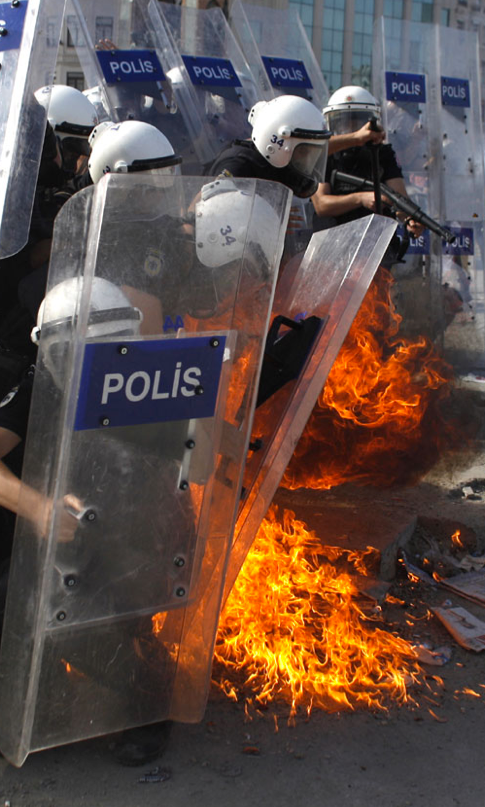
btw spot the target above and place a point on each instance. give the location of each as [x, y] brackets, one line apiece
[293, 627]
[383, 416]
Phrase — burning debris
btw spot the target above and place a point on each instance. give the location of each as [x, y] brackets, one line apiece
[387, 410]
[313, 626]
[430, 548]
[439, 553]
[294, 627]
[298, 624]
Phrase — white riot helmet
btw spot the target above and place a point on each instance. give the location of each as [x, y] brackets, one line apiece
[350, 108]
[98, 131]
[69, 112]
[222, 217]
[110, 314]
[232, 226]
[128, 147]
[290, 133]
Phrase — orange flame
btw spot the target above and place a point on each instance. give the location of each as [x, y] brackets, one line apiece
[158, 621]
[394, 600]
[456, 540]
[468, 691]
[292, 628]
[238, 386]
[379, 417]
[71, 670]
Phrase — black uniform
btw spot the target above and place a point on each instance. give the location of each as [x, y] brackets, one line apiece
[242, 159]
[14, 407]
[15, 267]
[22, 288]
[358, 162]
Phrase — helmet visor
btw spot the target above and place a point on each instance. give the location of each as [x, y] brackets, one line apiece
[310, 159]
[345, 121]
[76, 145]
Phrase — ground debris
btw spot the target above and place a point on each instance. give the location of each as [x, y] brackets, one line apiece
[158, 774]
[431, 546]
[466, 629]
[390, 555]
[437, 657]
[473, 490]
[470, 585]
[376, 590]
[472, 563]
[229, 771]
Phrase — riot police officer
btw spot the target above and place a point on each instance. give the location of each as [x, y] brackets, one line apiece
[348, 110]
[73, 117]
[289, 143]
[70, 119]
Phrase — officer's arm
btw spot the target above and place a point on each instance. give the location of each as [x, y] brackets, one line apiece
[326, 203]
[29, 503]
[22, 501]
[362, 136]
[8, 441]
[10, 497]
[9, 483]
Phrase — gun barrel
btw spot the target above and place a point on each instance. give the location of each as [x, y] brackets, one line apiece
[397, 202]
[434, 226]
[406, 205]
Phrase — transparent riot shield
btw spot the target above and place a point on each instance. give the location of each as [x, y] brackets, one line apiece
[463, 203]
[203, 48]
[28, 49]
[129, 72]
[149, 356]
[404, 70]
[428, 79]
[313, 310]
[276, 46]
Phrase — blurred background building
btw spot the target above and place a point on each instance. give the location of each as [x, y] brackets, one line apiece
[340, 31]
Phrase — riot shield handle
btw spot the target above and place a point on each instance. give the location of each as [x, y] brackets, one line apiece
[285, 354]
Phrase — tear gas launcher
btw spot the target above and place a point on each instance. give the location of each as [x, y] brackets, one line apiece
[397, 202]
